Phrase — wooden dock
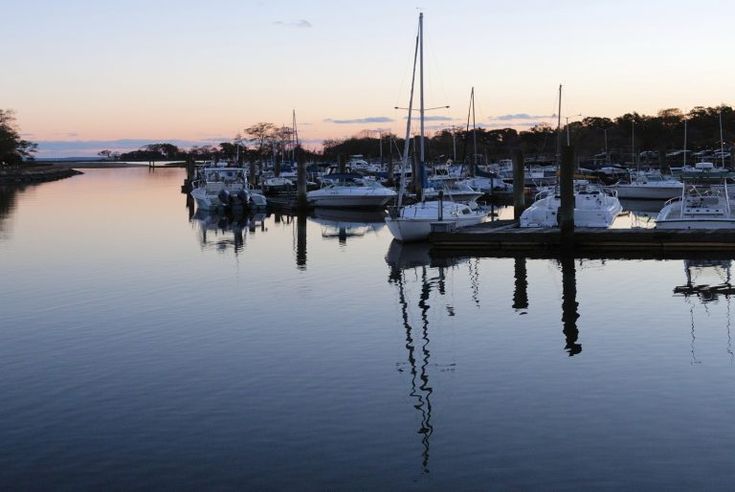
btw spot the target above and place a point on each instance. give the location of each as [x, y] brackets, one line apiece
[506, 239]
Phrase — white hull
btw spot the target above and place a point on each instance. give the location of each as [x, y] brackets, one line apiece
[648, 192]
[414, 221]
[596, 214]
[349, 201]
[701, 224]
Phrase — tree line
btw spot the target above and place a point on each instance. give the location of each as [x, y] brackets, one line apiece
[13, 148]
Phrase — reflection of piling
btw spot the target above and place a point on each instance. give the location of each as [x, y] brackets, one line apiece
[569, 305]
[566, 191]
[301, 241]
[520, 292]
[519, 199]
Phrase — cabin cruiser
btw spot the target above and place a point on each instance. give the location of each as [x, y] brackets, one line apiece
[593, 207]
[700, 206]
[413, 222]
[453, 188]
[351, 192]
[649, 185]
[220, 187]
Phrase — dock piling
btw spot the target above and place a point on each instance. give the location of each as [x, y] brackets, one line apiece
[300, 178]
[566, 190]
[519, 199]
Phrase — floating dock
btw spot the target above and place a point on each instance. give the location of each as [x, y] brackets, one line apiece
[506, 239]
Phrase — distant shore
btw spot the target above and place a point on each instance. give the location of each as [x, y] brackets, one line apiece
[35, 173]
[91, 164]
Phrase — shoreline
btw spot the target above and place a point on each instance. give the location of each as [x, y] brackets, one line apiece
[35, 174]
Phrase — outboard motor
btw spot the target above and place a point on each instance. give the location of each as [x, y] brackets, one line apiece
[242, 197]
[224, 197]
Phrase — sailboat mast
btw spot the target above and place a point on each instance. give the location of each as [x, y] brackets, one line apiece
[558, 131]
[474, 135]
[422, 171]
[722, 143]
[408, 125]
[685, 142]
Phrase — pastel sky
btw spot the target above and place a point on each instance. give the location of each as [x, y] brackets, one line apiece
[85, 75]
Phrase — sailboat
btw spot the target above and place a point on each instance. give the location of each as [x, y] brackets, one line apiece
[413, 222]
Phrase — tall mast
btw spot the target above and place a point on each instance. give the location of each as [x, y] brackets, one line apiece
[558, 131]
[722, 143]
[474, 135]
[685, 141]
[632, 144]
[422, 172]
[408, 124]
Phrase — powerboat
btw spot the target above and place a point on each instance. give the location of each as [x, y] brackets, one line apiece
[453, 188]
[220, 187]
[649, 185]
[700, 206]
[593, 207]
[352, 192]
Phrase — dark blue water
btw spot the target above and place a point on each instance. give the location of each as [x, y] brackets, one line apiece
[144, 348]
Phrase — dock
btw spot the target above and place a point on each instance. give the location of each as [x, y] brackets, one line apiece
[506, 239]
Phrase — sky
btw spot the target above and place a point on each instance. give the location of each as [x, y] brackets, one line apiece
[85, 75]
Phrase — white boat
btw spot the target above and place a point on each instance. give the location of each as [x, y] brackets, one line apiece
[347, 193]
[700, 206]
[413, 222]
[220, 187]
[649, 185]
[453, 188]
[593, 207]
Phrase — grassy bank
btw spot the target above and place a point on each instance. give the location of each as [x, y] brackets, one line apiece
[35, 173]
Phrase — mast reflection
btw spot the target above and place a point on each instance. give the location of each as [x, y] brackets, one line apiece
[415, 257]
[420, 388]
[719, 273]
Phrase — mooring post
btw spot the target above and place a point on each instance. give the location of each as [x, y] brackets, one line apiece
[566, 190]
[300, 178]
[519, 199]
[252, 178]
[189, 168]
[342, 163]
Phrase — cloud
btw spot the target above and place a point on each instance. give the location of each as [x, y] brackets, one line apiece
[526, 124]
[357, 121]
[521, 116]
[433, 118]
[303, 23]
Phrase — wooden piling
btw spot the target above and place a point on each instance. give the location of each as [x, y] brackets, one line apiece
[252, 176]
[300, 179]
[342, 161]
[519, 180]
[566, 191]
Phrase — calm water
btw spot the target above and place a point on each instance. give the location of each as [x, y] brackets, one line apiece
[144, 348]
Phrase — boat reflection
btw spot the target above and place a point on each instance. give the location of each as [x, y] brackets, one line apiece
[707, 281]
[342, 224]
[224, 231]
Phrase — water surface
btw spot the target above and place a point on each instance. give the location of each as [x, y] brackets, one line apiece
[143, 345]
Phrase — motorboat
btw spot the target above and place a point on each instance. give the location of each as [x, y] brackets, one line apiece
[593, 207]
[702, 205]
[220, 187]
[649, 185]
[413, 222]
[453, 188]
[351, 192]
